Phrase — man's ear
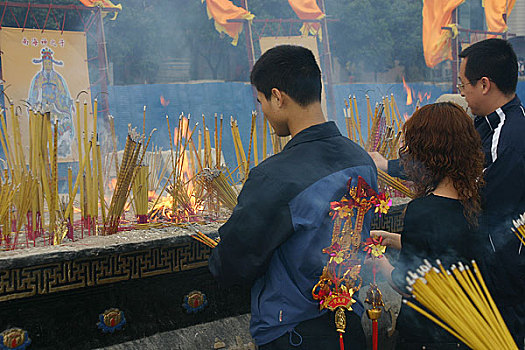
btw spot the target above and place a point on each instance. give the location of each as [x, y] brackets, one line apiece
[278, 97]
[486, 85]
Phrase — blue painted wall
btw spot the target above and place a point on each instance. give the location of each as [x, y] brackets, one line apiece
[233, 99]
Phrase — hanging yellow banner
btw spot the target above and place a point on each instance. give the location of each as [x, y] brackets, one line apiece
[104, 5]
[308, 9]
[436, 41]
[223, 10]
[46, 70]
[494, 12]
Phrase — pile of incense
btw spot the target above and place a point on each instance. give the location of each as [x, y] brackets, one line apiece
[383, 130]
[216, 183]
[458, 301]
[30, 179]
[126, 175]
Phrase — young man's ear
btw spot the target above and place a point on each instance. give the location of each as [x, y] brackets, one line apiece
[277, 96]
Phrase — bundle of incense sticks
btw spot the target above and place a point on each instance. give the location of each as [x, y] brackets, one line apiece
[201, 237]
[394, 183]
[140, 194]
[217, 183]
[7, 193]
[382, 126]
[384, 132]
[240, 155]
[244, 162]
[36, 178]
[458, 301]
[519, 228]
[130, 159]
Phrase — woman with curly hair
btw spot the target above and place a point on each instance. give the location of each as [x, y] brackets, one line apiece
[442, 155]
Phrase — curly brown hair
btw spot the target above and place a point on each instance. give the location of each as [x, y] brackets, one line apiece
[441, 141]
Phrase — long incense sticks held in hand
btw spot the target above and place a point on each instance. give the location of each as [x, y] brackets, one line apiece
[458, 301]
[519, 228]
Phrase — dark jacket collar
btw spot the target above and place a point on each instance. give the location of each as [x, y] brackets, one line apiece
[493, 118]
[313, 133]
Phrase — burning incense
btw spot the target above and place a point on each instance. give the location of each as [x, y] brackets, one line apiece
[394, 183]
[216, 182]
[140, 194]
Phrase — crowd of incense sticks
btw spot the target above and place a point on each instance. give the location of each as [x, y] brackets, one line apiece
[189, 182]
[384, 129]
[31, 205]
[458, 301]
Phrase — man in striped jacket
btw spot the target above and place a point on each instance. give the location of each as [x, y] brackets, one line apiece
[487, 79]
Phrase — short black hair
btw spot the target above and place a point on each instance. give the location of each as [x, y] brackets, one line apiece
[291, 69]
[494, 59]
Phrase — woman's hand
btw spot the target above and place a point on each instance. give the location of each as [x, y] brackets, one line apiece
[391, 240]
[383, 266]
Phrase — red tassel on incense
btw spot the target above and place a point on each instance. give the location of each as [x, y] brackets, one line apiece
[341, 343]
[374, 335]
[374, 322]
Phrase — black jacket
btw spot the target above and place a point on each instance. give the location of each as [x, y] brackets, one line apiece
[275, 236]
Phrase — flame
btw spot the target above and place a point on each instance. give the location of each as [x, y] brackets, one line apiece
[151, 195]
[409, 92]
[164, 102]
[187, 206]
[427, 95]
[405, 115]
[112, 184]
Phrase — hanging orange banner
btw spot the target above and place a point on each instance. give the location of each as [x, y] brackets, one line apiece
[308, 9]
[223, 10]
[436, 41]
[494, 12]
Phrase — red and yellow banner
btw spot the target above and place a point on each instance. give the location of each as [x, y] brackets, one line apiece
[223, 10]
[308, 9]
[436, 41]
[103, 4]
[494, 11]
[47, 70]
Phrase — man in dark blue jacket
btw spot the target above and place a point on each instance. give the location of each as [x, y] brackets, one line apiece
[487, 79]
[275, 236]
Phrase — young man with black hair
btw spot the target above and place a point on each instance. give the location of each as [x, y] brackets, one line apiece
[275, 236]
[487, 79]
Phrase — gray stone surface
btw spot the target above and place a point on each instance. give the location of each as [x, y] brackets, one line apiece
[122, 242]
[226, 334]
